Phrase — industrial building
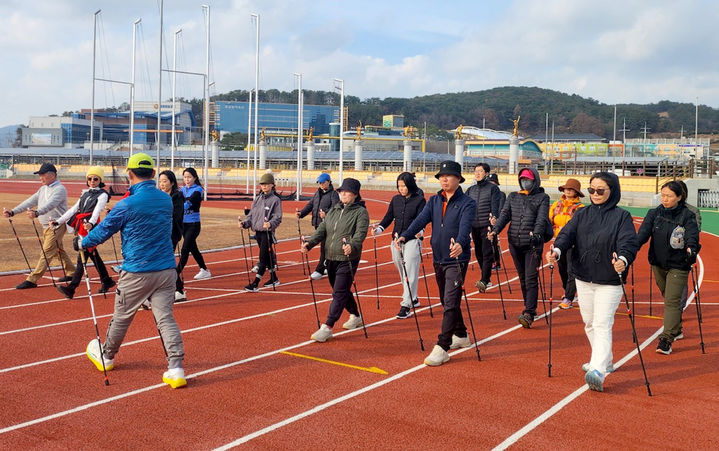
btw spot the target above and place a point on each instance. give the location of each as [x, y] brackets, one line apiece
[232, 116]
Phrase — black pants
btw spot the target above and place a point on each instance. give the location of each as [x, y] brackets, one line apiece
[267, 257]
[483, 251]
[497, 252]
[449, 282]
[340, 274]
[525, 261]
[565, 272]
[179, 283]
[190, 232]
[99, 265]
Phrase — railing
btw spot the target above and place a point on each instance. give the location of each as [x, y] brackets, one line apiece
[708, 199]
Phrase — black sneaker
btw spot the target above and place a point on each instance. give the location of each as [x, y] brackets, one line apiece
[25, 285]
[252, 287]
[415, 303]
[65, 279]
[106, 286]
[525, 319]
[404, 313]
[273, 282]
[66, 291]
[481, 286]
[664, 346]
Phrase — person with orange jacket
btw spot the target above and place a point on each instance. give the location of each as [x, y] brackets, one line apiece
[559, 214]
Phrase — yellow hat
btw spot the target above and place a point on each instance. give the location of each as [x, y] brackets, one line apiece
[140, 161]
[95, 170]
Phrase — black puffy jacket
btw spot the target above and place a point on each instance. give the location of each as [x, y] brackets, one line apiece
[485, 195]
[658, 225]
[321, 200]
[596, 232]
[526, 213]
[402, 211]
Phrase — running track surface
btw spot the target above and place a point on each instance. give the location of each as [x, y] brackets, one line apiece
[250, 380]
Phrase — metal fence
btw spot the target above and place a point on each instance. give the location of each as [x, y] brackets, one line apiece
[708, 199]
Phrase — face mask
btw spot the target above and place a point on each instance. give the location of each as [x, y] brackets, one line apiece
[526, 184]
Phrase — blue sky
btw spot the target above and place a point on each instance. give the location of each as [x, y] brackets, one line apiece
[614, 51]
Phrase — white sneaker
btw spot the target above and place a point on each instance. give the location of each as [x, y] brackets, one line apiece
[437, 357]
[255, 268]
[353, 323]
[180, 296]
[203, 274]
[458, 342]
[323, 334]
[94, 352]
[610, 368]
[316, 275]
[174, 377]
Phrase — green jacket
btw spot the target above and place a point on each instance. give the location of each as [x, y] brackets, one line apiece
[350, 222]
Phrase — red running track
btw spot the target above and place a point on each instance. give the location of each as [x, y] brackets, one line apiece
[242, 388]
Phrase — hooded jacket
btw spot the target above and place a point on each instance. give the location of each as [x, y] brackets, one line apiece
[658, 225]
[144, 220]
[402, 210]
[349, 222]
[562, 211]
[596, 232]
[526, 212]
[264, 206]
[455, 223]
[485, 195]
[321, 200]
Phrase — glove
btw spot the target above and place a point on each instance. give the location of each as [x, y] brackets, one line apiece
[77, 243]
[536, 239]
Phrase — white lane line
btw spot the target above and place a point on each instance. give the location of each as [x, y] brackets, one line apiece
[512, 439]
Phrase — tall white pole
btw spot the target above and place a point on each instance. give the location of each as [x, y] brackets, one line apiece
[342, 124]
[256, 17]
[546, 137]
[92, 106]
[132, 88]
[159, 97]
[174, 97]
[207, 100]
[249, 135]
[696, 127]
[614, 134]
[299, 136]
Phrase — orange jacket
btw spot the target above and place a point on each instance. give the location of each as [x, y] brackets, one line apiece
[562, 211]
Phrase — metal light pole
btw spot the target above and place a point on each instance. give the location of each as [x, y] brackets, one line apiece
[342, 122]
[249, 135]
[132, 89]
[256, 19]
[159, 97]
[299, 136]
[174, 97]
[207, 99]
[92, 107]
[696, 128]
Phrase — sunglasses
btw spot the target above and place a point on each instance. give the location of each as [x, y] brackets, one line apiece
[93, 179]
[599, 191]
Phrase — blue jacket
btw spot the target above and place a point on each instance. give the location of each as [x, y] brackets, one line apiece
[193, 199]
[144, 219]
[457, 224]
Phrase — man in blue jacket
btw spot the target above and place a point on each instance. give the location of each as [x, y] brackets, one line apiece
[144, 220]
[451, 213]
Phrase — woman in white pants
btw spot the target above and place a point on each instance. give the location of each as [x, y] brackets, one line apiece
[403, 208]
[604, 244]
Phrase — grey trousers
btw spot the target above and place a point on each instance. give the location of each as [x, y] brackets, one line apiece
[412, 250]
[132, 290]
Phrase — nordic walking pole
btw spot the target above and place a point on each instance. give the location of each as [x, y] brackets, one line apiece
[359, 306]
[273, 255]
[426, 287]
[630, 314]
[651, 276]
[252, 258]
[312, 283]
[244, 251]
[19, 244]
[409, 290]
[62, 266]
[699, 310]
[92, 309]
[376, 272]
[632, 271]
[499, 282]
[466, 301]
[551, 295]
[42, 248]
[540, 278]
[504, 267]
[701, 318]
[299, 233]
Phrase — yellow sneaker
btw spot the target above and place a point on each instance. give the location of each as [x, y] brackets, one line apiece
[174, 377]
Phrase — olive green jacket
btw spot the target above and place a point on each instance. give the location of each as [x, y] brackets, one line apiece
[349, 222]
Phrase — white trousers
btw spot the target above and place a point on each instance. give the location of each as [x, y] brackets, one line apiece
[412, 251]
[598, 304]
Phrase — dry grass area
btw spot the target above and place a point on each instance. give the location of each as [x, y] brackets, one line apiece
[219, 229]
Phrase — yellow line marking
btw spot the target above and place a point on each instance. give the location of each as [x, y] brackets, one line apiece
[642, 316]
[372, 369]
[712, 281]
